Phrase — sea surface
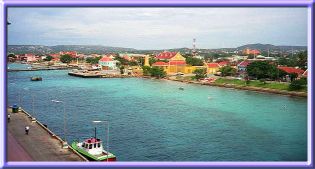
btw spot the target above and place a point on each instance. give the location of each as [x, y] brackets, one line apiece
[152, 120]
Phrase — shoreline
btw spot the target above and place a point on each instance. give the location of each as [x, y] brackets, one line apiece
[248, 88]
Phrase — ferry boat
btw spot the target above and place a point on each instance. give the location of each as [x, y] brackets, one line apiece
[92, 149]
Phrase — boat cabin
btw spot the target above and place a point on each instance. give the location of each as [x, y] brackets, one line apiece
[93, 146]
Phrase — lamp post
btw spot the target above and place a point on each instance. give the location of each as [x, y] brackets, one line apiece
[64, 144]
[33, 103]
[107, 138]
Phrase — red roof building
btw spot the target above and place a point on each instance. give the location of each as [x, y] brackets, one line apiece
[213, 65]
[105, 59]
[165, 55]
[244, 63]
[223, 63]
[291, 70]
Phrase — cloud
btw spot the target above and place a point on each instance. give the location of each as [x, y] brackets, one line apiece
[154, 28]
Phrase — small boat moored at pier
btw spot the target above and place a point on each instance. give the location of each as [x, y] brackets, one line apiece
[92, 149]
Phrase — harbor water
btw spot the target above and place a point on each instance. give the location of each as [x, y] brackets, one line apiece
[152, 120]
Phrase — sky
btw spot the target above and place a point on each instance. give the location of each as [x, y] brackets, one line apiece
[157, 28]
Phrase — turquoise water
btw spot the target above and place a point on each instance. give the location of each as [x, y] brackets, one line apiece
[151, 120]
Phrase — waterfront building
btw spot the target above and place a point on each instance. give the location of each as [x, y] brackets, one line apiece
[213, 68]
[241, 67]
[31, 58]
[174, 62]
[291, 70]
[107, 63]
[223, 63]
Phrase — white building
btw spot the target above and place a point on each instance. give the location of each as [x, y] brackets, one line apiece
[107, 63]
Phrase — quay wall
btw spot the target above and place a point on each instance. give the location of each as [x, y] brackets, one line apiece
[52, 133]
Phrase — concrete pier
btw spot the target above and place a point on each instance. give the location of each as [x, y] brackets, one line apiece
[40, 144]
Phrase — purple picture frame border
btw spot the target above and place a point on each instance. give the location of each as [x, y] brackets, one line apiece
[160, 3]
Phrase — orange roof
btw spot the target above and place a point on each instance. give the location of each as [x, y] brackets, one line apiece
[244, 63]
[291, 70]
[106, 59]
[223, 63]
[160, 64]
[213, 65]
[166, 55]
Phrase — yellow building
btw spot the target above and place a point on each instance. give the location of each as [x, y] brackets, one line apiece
[176, 63]
[212, 68]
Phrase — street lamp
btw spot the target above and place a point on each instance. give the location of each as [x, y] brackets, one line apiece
[64, 144]
[107, 138]
[33, 103]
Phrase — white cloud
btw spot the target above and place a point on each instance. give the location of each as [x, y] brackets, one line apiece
[162, 27]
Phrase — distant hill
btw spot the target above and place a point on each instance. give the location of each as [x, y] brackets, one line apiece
[265, 47]
[86, 49]
[89, 49]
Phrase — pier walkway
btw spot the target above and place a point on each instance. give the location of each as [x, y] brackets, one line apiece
[39, 145]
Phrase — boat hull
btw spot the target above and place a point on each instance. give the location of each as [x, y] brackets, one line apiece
[104, 158]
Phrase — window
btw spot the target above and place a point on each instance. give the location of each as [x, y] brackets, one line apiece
[83, 145]
[86, 145]
[98, 144]
[90, 146]
[94, 145]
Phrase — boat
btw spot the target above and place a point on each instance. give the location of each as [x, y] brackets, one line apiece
[92, 149]
[181, 88]
[36, 78]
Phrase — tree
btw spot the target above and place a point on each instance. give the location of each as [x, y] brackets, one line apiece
[48, 58]
[302, 60]
[227, 71]
[66, 58]
[293, 76]
[146, 70]
[298, 84]
[194, 61]
[261, 70]
[157, 72]
[200, 73]
[152, 60]
[121, 68]
[298, 60]
[93, 60]
[11, 55]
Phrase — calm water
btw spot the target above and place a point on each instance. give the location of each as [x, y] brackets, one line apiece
[151, 120]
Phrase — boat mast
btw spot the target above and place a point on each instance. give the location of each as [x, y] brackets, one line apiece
[95, 132]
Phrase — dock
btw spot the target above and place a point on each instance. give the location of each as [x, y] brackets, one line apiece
[96, 74]
[38, 69]
[41, 144]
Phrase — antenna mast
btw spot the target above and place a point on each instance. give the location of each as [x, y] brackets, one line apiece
[194, 47]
